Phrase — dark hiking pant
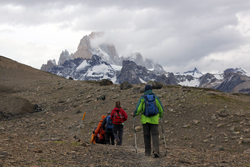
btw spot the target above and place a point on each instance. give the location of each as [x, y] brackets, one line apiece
[109, 136]
[118, 131]
[102, 141]
[148, 131]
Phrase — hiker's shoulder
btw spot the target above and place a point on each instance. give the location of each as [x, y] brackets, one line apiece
[142, 97]
[141, 100]
[122, 109]
[157, 98]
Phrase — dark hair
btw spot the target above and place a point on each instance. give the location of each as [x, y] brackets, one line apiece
[118, 104]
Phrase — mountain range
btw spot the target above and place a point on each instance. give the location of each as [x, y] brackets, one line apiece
[103, 62]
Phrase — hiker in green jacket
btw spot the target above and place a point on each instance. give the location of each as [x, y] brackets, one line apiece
[150, 122]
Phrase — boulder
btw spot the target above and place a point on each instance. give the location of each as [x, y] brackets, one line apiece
[101, 97]
[246, 140]
[223, 113]
[105, 82]
[246, 151]
[155, 85]
[219, 148]
[195, 122]
[125, 85]
[12, 105]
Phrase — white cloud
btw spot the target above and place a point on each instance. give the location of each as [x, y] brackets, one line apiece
[35, 45]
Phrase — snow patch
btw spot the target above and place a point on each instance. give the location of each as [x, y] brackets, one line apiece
[116, 67]
[151, 69]
[218, 76]
[82, 65]
[193, 83]
[142, 81]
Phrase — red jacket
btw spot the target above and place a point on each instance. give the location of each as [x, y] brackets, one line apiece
[125, 115]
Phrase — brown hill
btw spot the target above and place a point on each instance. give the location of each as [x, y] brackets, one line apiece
[203, 127]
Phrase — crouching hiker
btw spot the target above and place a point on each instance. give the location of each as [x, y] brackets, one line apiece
[118, 116]
[99, 130]
[151, 110]
[108, 126]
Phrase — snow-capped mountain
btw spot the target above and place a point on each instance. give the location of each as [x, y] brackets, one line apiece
[97, 69]
[235, 70]
[107, 52]
[231, 80]
[85, 69]
[103, 62]
[195, 73]
[189, 78]
[234, 81]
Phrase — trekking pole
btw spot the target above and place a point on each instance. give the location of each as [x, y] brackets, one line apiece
[164, 137]
[135, 136]
[80, 125]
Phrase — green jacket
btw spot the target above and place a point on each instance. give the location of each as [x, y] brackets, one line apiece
[140, 108]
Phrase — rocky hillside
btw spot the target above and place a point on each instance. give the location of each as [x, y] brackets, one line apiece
[202, 127]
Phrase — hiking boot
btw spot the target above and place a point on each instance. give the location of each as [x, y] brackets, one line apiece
[156, 154]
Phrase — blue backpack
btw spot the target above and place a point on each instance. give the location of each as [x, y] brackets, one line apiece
[150, 106]
[109, 124]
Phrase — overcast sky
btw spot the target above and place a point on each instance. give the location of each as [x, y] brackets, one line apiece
[211, 35]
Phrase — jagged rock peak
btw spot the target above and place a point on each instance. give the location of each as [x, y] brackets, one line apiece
[235, 70]
[50, 64]
[149, 64]
[106, 51]
[96, 59]
[93, 35]
[133, 73]
[136, 57]
[195, 73]
[63, 57]
[84, 49]
[207, 80]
